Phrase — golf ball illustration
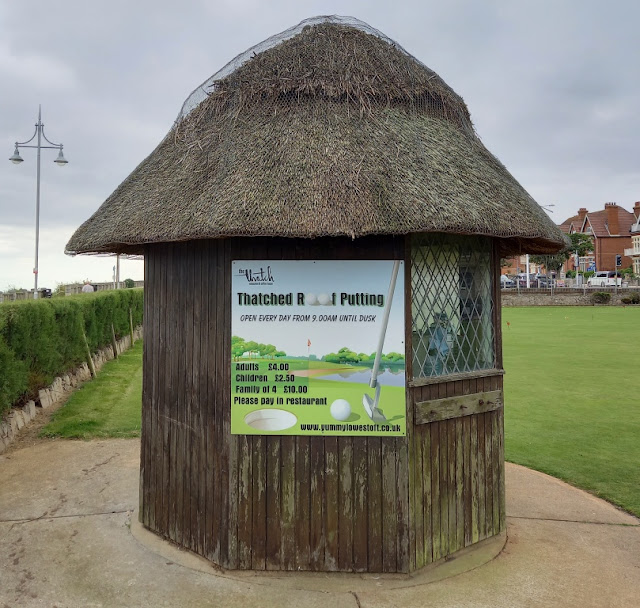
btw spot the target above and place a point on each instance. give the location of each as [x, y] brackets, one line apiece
[311, 299]
[340, 409]
[324, 299]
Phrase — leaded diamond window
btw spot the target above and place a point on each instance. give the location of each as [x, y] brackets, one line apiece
[451, 305]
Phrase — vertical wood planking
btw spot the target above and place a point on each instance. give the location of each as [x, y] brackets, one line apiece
[179, 275]
[288, 508]
[427, 498]
[436, 524]
[488, 474]
[482, 521]
[203, 399]
[303, 510]
[418, 497]
[274, 515]
[361, 505]
[195, 431]
[156, 472]
[164, 399]
[451, 475]
[245, 501]
[173, 346]
[389, 506]
[187, 437]
[374, 478]
[332, 493]
[475, 490]
[495, 463]
[459, 447]
[503, 510]
[147, 402]
[467, 493]
[444, 479]
[259, 499]
[229, 530]
[345, 503]
[403, 560]
[215, 371]
[210, 376]
[317, 504]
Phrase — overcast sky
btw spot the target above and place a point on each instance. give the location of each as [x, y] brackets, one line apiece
[553, 88]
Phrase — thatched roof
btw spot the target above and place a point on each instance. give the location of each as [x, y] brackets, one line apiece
[330, 131]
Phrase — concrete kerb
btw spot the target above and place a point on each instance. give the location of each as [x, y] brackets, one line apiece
[462, 561]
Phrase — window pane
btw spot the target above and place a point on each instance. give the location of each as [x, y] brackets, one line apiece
[452, 305]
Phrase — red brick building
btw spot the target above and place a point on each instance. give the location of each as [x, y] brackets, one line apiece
[610, 230]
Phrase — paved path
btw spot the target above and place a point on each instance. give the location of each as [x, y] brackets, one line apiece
[66, 541]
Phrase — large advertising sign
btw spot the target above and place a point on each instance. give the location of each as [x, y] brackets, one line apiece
[317, 348]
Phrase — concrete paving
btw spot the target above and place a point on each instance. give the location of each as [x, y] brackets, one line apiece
[68, 537]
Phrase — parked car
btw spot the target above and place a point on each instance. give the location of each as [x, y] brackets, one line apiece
[522, 279]
[605, 278]
[506, 282]
[543, 281]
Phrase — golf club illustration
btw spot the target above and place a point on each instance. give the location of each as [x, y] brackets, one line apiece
[371, 406]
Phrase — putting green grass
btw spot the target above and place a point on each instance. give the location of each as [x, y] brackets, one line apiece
[572, 396]
[108, 406]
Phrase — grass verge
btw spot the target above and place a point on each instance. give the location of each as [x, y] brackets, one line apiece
[108, 406]
[572, 406]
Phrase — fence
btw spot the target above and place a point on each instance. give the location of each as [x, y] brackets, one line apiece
[16, 295]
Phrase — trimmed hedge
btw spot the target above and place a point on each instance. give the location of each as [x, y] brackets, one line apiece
[41, 339]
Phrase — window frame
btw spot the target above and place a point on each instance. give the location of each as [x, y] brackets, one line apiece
[494, 293]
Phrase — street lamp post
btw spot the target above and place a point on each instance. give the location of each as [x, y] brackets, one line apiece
[61, 161]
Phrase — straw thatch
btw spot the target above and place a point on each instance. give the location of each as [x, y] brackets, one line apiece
[332, 132]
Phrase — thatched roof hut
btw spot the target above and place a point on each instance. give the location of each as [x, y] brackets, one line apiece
[326, 150]
[328, 129]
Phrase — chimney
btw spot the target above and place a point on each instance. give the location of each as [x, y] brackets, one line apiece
[612, 218]
[582, 213]
[636, 210]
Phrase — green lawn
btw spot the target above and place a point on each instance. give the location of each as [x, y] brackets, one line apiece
[108, 406]
[572, 396]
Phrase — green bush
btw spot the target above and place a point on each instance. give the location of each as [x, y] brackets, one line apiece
[633, 298]
[40, 339]
[601, 297]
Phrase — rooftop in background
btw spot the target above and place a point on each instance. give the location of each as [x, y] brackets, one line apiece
[613, 220]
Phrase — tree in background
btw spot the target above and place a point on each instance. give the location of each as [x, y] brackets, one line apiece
[128, 283]
[580, 243]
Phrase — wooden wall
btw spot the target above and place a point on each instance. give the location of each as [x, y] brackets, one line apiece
[456, 475]
[294, 503]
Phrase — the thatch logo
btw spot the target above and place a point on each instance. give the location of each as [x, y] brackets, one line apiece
[257, 277]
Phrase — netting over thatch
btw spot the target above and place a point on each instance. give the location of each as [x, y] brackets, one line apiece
[329, 129]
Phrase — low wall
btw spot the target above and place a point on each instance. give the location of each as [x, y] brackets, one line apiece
[560, 297]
